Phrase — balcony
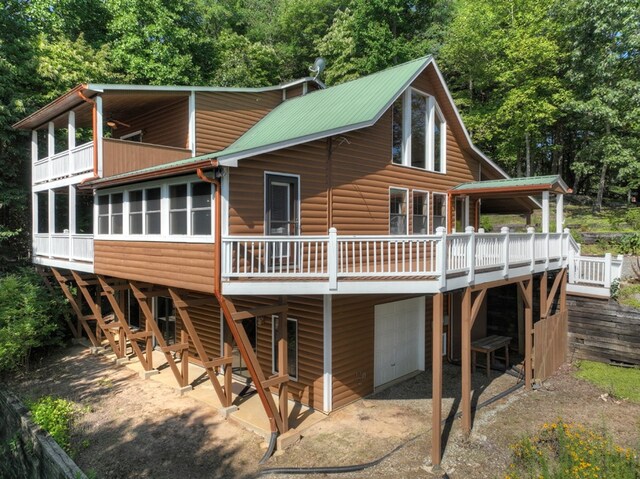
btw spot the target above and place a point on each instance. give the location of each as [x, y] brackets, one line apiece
[73, 251]
[122, 155]
[64, 164]
[335, 264]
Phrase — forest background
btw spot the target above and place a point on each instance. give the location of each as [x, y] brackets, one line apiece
[544, 86]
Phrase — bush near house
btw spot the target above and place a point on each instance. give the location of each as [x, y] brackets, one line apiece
[571, 451]
[54, 415]
[30, 318]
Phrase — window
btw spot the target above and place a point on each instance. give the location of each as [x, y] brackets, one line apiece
[178, 209]
[281, 205]
[116, 213]
[84, 212]
[103, 214]
[439, 211]
[420, 212]
[42, 201]
[292, 345]
[135, 212]
[398, 211]
[153, 206]
[61, 214]
[201, 208]
[418, 132]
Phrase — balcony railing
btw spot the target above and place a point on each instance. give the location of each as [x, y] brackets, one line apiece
[64, 246]
[427, 257]
[66, 163]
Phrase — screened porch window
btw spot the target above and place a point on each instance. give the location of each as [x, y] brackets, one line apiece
[420, 213]
[398, 211]
[439, 211]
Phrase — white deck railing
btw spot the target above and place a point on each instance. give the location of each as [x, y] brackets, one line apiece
[66, 163]
[594, 270]
[333, 257]
[64, 246]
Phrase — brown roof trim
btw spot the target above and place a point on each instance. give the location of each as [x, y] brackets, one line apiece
[146, 176]
[43, 115]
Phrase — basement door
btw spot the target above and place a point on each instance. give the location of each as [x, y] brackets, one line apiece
[399, 339]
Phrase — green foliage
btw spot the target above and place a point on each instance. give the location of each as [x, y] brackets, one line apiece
[55, 416]
[618, 381]
[629, 295]
[632, 218]
[570, 451]
[486, 223]
[30, 317]
[629, 244]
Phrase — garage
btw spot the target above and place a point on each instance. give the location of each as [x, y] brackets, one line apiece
[399, 339]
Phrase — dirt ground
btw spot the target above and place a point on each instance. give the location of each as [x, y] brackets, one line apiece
[131, 428]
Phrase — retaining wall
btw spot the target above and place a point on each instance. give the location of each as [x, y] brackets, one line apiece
[27, 452]
[603, 330]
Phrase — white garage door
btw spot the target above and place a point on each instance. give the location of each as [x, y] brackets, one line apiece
[399, 339]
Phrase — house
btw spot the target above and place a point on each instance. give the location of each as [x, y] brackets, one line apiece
[323, 242]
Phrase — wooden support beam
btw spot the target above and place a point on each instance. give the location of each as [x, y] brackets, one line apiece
[75, 331]
[283, 364]
[528, 302]
[436, 368]
[477, 304]
[253, 365]
[186, 302]
[176, 347]
[527, 297]
[184, 358]
[124, 331]
[215, 363]
[465, 333]
[559, 279]
[224, 396]
[151, 323]
[261, 311]
[76, 308]
[543, 295]
[275, 381]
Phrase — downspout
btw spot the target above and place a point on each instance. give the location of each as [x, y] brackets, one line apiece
[94, 117]
[217, 291]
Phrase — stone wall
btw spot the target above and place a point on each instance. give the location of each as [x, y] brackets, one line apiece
[26, 451]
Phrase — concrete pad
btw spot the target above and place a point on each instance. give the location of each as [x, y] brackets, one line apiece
[148, 374]
[287, 439]
[122, 361]
[184, 390]
[226, 411]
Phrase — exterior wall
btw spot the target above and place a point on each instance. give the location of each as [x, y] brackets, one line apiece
[180, 265]
[222, 117]
[308, 310]
[359, 174]
[353, 344]
[122, 156]
[168, 125]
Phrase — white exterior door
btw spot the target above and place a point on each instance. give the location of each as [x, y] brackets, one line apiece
[399, 339]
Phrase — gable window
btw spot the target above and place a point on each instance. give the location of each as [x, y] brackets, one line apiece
[418, 132]
[439, 211]
[292, 345]
[420, 212]
[398, 211]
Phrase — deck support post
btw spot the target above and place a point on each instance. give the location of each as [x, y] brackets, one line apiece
[526, 288]
[436, 395]
[283, 365]
[465, 333]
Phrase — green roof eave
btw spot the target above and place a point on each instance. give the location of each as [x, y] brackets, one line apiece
[524, 186]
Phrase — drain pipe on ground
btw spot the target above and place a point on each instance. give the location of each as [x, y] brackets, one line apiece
[367, 465]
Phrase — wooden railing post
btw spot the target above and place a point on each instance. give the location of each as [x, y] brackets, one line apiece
[441, 257]
[471, 254]
[332, 259]
[505, 251]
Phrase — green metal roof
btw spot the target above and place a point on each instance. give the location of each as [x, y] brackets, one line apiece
[322, 113]
[520, 183]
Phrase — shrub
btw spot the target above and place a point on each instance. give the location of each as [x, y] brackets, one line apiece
[30, 317]
[54, 415]
[629, 244]
[632, 218]
[564, 450]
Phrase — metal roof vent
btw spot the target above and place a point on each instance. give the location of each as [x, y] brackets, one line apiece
[318, 67]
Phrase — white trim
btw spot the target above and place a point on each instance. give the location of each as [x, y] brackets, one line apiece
[71, 180]
[406, 203]
[545, 211]
[192, 122]
[327, 369]
[72, 211]
[34, 148]
[224, 197]
[99, 134]
[71, 131]
[274, 359]
[51, 140]
[73, 265]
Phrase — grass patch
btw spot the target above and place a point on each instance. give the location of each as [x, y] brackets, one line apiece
[564, 450]
[629, 295]
[619, 382]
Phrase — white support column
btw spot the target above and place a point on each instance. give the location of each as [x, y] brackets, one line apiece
[607, 270]
[532, 248]
[545, 211]
[34, 146]
[34, 219]
[332, 259]
[51, 140]
[471, 254]
[505, 251]
[52, 222]
[71, 139]
[72, 219]
[441, 256]
[99, 133]
[559, 212]
[192, 122]
[327, 403]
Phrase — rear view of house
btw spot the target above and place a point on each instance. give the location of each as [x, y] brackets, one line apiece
[319, 242]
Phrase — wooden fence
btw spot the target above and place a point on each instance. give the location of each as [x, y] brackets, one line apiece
[550, 344]
[603, 330]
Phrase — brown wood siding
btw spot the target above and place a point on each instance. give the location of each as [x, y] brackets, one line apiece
[308, 310]
[246, 215]
[353, 344]
[221, 117]
[167, 125]
[360, 173]
[181, 265]
[206, 321]
[121, 156]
